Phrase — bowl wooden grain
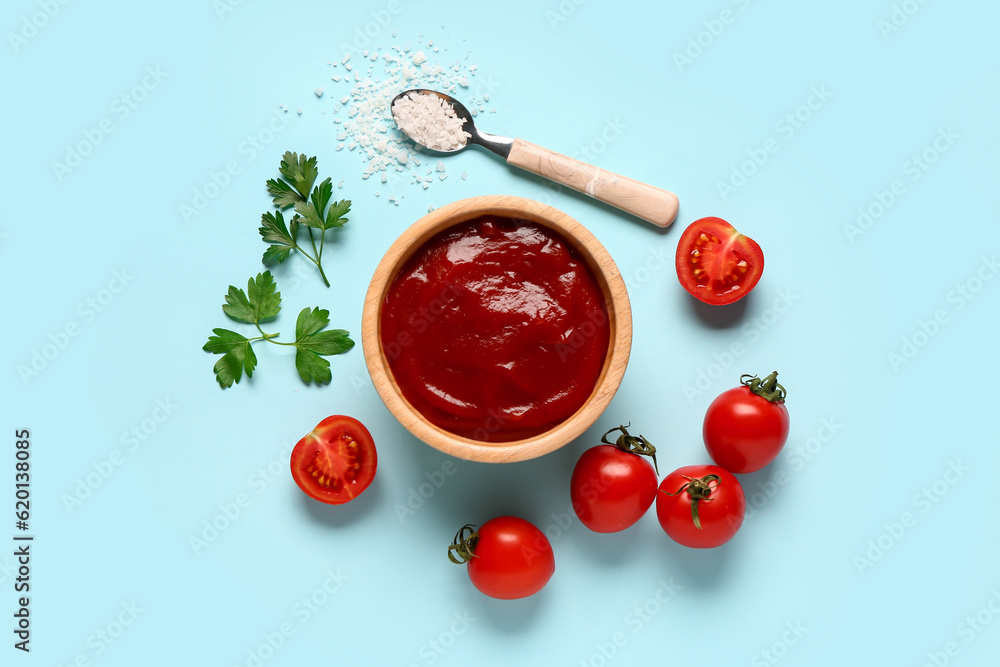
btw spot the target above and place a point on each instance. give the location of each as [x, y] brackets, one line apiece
[604, 270]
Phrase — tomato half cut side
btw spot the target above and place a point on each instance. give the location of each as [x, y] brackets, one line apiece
[716, 264]
[335, 461]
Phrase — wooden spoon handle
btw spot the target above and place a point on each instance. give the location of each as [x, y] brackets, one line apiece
[640, 199]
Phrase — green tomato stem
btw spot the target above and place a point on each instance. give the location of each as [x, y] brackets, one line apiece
[768, 388]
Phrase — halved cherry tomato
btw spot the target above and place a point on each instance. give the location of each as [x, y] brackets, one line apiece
[508, 558]
[336, 461]
[612, 485]
[700, 506]
[717, 264]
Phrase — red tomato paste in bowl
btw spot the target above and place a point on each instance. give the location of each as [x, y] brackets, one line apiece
[495, 329]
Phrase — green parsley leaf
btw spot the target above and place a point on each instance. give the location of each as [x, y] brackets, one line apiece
[335, 216]
[293, 191]
[275, 254]
[273, 230]
[237, 357]
[312, 367]
[263, 304]
[312, 211]
[260, 303]
[332, 341]
[283, 194]
[310, 321]
[300, 171]
[311, 342]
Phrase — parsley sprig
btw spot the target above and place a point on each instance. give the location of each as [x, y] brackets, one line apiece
[314, 211]
[259, 304]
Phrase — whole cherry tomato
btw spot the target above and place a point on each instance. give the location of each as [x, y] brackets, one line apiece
[612, 485]
[700, 506]
[746, 427]
[508, 558]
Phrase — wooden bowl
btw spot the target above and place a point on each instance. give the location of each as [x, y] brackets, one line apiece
[604, 270]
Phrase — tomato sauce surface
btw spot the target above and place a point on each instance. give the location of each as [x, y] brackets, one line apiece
[495, 329]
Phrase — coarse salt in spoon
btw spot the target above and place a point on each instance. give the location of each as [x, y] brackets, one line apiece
[441, 123]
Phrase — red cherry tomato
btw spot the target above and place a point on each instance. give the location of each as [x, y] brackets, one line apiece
[612, 486]
[508, 558]
[336, 461]
[717, 264]
[746, 427]
[700, 506]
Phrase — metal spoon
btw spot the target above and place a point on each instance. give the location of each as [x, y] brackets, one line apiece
[640, 199]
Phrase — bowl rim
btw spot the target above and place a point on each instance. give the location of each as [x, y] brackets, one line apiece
[601, 265]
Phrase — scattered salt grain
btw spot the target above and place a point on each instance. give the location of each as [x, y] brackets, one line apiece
[298, 111]
[319, 92]
[364, 114]
[464, 175]
[345, 59]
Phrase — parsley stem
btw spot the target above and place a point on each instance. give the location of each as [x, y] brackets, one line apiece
[318, 254]
[269, 337]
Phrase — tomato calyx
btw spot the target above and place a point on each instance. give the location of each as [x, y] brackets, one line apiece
[698, 489]
[768, 388]
[462, 550]
[634, 444]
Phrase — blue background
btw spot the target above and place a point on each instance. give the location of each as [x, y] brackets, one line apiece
[820, 552]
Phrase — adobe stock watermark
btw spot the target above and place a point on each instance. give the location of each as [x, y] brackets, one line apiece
[901, 14]
[229, 511]
[925, 331]
[751, 332]
[224, 8]
[364, 35]
[787, 127]
[8, 568]
[634, 621]
[87, 311]
[132, 440]
[772, 655]
[796, 456]
[913, 169]
[434, 649]
[32, 24]
[121, 108]
[562, 12]
[967, 631]
[588, 152]
[417, 496]
[219, 180]
[302, 610]
[105, 636]
[923, 502]
[704, 39]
